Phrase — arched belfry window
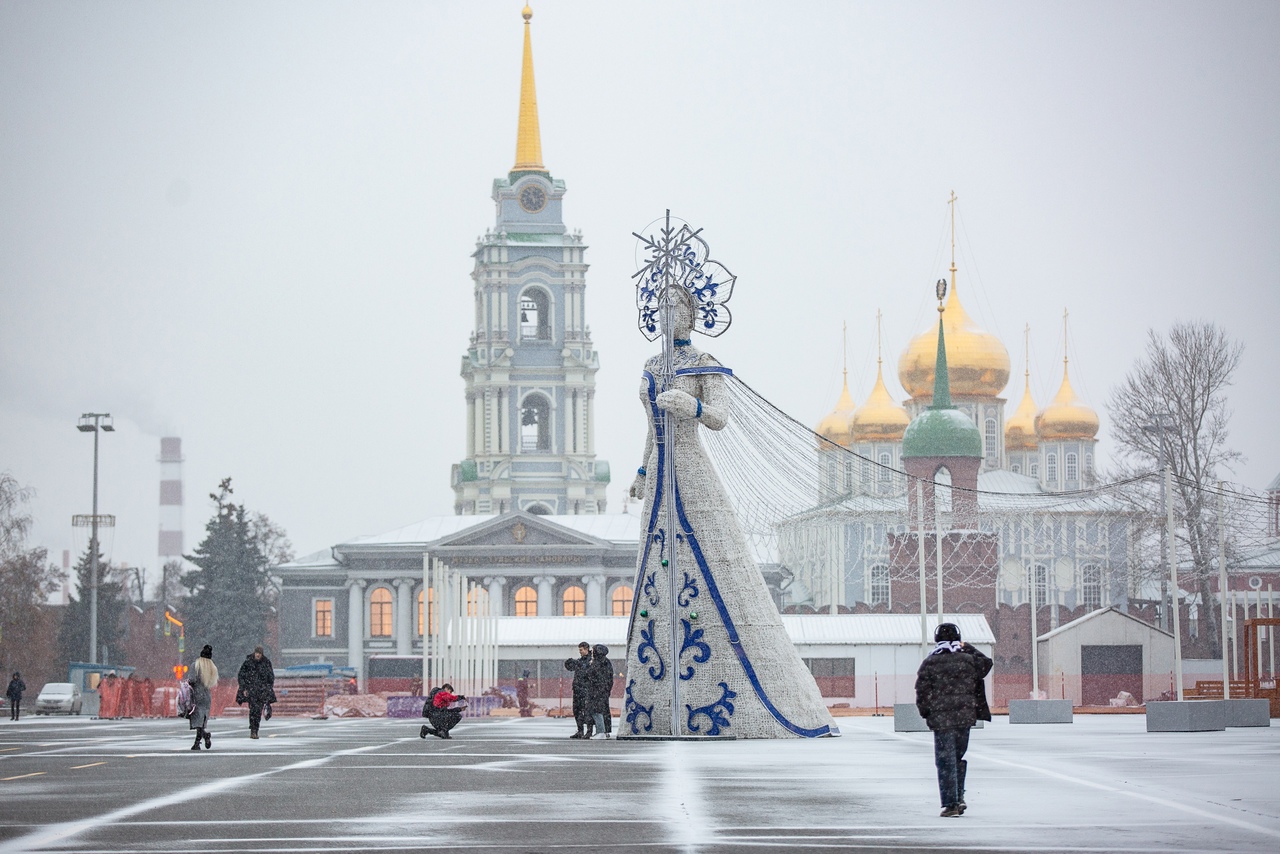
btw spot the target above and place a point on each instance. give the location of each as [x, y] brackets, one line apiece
[535, 424]
[535, 315]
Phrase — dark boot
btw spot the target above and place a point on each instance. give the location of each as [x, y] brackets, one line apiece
[208, 740]
[591, 729]
[578, 734]
[196, 746]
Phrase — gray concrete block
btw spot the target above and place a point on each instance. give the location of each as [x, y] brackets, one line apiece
[1244, 712]
[1186, 716]
[1040, 712]
[907, 719]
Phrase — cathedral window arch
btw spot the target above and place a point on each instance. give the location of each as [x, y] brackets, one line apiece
[1088, 467]
[380, 613]
[620, 601]
[989, 441]
[535, 424]
[879, 591]
[526, 602]
[1073, 468]
[1035, 468]
[1051, 468]
[574, 602]
[886, 462]
[426, 611]
[1091, 586]
[1038, 574]
[1016, 468]
[535, 315]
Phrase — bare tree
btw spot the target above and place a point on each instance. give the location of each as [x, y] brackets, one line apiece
[1180, 387]
[26, 576]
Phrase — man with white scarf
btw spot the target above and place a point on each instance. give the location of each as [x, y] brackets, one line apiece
[951, 697]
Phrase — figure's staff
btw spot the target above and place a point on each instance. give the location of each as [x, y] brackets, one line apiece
[678, 267]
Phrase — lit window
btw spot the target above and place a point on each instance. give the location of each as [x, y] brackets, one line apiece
[427, 602]
[526, 602]
[622, 601]
[575, 602]
[324, 618]
[380, 613]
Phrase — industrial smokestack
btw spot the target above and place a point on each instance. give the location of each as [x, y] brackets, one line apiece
[170, 499]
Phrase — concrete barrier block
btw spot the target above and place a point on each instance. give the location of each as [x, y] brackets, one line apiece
[1040, 712]
[907, 719]
[1187, 716]
[1244, 712]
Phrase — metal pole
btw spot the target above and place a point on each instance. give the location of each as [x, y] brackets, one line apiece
[1033, 580]
[1173, 580]
[426, 622]
[1222, 594]
[668, 452]
[924, 611]
[1271, 632]
[937, 541]
[93, 555]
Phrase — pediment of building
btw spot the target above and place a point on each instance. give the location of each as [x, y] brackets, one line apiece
[514, 531]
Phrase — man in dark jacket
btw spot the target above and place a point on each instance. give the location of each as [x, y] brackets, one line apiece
[14, 693]
[601, 675]
[581, 690]
[257, 687]
[951, 697]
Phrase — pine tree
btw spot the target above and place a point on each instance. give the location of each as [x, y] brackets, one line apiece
[226, 607]
[73, 634]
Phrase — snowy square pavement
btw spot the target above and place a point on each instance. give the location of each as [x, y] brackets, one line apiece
[520, 785]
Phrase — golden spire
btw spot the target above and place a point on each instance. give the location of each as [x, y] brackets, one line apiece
[880, 419]
[528, 137]
[1066, 417]
[1020, 431]
[835, 427]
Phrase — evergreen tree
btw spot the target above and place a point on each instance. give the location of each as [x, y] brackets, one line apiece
[73, 634]
[226, 606]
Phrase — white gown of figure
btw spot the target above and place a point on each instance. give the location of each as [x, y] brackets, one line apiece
[740, 673]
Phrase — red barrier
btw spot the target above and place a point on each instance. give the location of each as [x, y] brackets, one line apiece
[109, 690]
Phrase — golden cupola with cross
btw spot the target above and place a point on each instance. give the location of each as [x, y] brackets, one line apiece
[977, 362]
[1066, 431]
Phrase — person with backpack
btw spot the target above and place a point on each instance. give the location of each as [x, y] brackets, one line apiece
[951, 697]
[437, 710]
[14, 693]
[581, 690]
[600, 674]
[256, 687]
[203, 679]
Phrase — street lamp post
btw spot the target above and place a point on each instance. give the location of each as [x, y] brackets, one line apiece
[1160, 427]
[92, 422]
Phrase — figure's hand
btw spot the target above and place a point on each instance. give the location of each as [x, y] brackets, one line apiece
[678, 403]
[637, 487]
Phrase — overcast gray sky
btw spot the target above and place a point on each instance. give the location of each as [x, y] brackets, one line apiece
[250, 224]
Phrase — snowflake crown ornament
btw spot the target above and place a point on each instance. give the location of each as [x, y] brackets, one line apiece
[679, 257]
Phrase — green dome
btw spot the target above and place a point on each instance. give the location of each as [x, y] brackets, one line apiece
[942, 433]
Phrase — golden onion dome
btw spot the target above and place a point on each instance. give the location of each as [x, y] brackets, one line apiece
[1066, 417]
[977, 363]
[836, 427]
[880, 419]
[1020, 430]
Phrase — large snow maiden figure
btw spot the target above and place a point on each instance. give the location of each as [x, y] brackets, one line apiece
[705, 637]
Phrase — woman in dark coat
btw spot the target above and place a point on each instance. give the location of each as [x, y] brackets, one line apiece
[256, 678]
[203, 679]
[14, 693]
[600, 674]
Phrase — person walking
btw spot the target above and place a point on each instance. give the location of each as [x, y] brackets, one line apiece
[581, 689]
[438, 712]
[601, 674]
[256, 687]
[14, 693]
[522, 695]
[951, 697]
[203, 679]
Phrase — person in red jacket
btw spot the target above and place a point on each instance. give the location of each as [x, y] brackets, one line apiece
[438, 712]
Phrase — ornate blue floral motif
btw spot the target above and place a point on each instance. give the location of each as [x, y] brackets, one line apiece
[689, 592]
[642, 653]
[635, 710]
[717, 713]
[679, 257]
[650, 588]
[693, 640]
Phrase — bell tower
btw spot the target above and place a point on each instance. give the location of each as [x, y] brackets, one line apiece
[530, 367]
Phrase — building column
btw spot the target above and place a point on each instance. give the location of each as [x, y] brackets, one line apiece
[404, 616]
[545, 605]
[495, 583]
[595, 595]
[355, 628]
